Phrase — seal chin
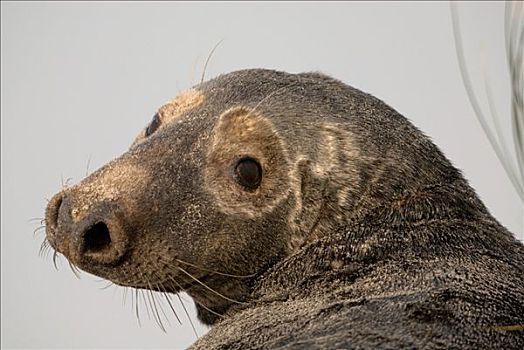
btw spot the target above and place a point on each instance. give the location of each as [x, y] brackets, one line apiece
[208, 316]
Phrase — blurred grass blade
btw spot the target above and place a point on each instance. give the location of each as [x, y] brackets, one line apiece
[512, 28]
[514, 50]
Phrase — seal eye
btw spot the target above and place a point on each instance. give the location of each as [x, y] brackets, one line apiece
[155, 123]
[248, 173]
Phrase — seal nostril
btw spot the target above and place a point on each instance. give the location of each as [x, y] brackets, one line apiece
[97, 238]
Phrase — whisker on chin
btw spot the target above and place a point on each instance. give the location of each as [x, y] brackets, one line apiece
[136, 307]
[216, 272]
[38, 230]
[145, 304]
[74, 269]
[154, 309]
[40, 220]
[55, 256]
[34, 219]
[44, 249]
[109, 284]
[209, 288]
[172, 279]
[160, 304]
[187, 314]
[141, 291]
[166, 295]
[124, 296]
[196, 302]
[152, 303]
[158, 318]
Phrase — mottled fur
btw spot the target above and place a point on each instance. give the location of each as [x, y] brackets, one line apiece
[361, 234]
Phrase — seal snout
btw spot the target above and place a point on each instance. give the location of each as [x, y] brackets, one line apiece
[99, 238]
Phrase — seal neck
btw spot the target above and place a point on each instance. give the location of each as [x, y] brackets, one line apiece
[433, 221]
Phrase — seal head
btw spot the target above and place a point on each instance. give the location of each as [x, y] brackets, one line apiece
[267, 195]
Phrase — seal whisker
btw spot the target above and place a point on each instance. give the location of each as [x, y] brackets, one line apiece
[196, 301]
[216, 272]
[185, 309]
[44, 249]
[162, 306]
[109, 284]
[88, 163]
[209, 288]
[207, 61]
[65, 184]
[187, 314]
[184, 306]
[47, 250]
[142, 274]
[115, 289]
[274, 92]
[41, 220]
[166, 295]
[145, 304]
[160, 289]
[136, 307]
[38, 229]
[74, 269]
[155, 307]
[124, 296]
[192, 72]
[152, 303]
[55, 255]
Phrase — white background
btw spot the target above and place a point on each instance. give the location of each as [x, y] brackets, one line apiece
[79, 80]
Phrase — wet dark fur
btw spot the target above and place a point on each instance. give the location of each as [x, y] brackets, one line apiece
[389, 247]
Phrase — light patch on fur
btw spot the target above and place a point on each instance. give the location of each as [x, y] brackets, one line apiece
[171, 111]
[112, 184]
[319, 178]
[336, 264]
[182, 103]
[240, 132]
[332, 165]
